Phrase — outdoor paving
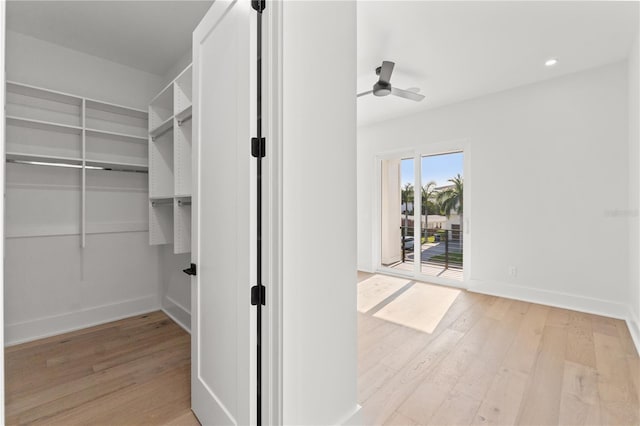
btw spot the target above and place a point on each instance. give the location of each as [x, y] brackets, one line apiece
[428, 251]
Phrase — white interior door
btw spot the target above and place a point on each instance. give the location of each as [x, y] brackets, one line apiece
[221, 304]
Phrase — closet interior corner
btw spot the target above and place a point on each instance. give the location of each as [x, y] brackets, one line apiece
[98, 164]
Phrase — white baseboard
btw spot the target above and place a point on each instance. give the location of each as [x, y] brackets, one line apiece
[178, 313]
[64, 323]
[353, 418]
[551, 298]
[633, 324]
[366, 268]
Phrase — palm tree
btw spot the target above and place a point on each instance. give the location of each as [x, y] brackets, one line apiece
[451, 198]
[407, 197]
[428, 196]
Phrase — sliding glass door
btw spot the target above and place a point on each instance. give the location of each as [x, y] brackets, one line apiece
[422, 215]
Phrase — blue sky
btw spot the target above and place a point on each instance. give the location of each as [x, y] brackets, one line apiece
[439, 168]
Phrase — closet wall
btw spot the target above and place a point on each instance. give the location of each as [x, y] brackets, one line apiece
[53, 285]
[40, 63]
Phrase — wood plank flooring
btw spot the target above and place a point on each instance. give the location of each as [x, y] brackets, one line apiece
[130, 372]
[489, 360]
[486, 361]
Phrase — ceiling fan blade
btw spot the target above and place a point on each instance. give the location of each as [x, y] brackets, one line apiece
[413, 89]
[386, 70]
[407, 94]
[365, 93]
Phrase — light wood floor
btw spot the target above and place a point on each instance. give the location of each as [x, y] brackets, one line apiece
[130, 372]
[488, 360]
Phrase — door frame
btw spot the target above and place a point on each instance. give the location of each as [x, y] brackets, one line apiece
[427, 149]
[3, 33]
[272, 217]
[272, 179]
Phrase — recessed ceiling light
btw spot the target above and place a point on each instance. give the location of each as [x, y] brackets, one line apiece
[551, 62]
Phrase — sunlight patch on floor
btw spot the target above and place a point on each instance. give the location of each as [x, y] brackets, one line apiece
[376, 289]
[420, 307]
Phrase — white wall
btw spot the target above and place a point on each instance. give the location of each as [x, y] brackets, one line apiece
[51, 284]
[319, 204]
[40, 63]
[178, 67]
[175, 286]
[556, 149]
[634, 190]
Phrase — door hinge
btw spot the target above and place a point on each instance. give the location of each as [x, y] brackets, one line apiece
[258, 147]
[258, 5]
[258, 295]
[191, 270]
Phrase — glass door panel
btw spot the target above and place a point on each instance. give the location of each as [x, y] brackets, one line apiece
[442, 214]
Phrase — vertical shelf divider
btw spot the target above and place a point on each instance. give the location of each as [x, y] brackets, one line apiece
[83, 195]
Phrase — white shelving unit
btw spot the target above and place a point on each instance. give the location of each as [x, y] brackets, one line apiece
[170, 165]
[82, 138]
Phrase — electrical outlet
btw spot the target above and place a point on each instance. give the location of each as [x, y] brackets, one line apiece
[513, 271]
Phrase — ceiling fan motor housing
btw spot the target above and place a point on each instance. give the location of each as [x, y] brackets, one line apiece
[382, 88]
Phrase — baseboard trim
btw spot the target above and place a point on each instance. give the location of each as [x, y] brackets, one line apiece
[353, 418]
[58, 324]
[363, 268]
[551, 298]
[634, 329]
[178, 313]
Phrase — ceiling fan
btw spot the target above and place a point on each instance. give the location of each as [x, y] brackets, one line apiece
[383, 86]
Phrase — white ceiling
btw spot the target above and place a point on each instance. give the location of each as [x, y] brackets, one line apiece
[147, 35]
[460, 50]
[451, 50]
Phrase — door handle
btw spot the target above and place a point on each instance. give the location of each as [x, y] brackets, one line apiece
[191, 270]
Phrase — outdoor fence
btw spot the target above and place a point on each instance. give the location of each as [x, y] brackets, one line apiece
[440, 247]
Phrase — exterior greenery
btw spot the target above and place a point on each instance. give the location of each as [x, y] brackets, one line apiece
[450, 199]
[453, 258]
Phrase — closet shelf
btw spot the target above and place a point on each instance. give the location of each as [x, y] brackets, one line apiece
[43, 125]
[41, 93]
[49, 159]
[162, 128]
[46, 125]
[116, 109]
[116, 135]
[170, 162]
[184, 115]
[118, 166]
